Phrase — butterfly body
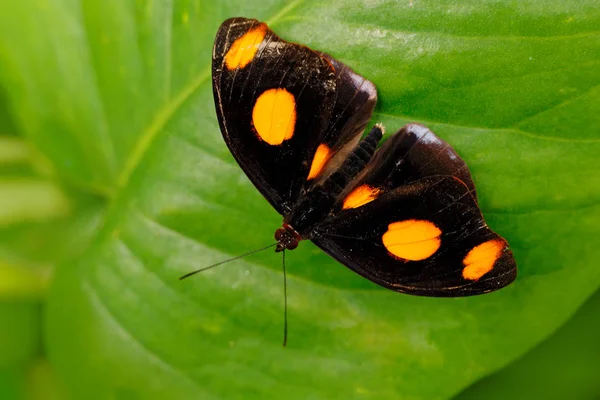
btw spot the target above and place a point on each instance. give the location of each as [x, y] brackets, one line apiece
[316, 203]
[403, 215]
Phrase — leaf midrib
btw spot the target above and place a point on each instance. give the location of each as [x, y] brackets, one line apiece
[160, 120]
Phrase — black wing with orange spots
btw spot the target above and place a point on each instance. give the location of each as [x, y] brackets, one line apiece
[284, 109]
[410, 222]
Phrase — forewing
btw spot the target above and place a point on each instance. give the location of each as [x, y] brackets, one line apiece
[274, 100]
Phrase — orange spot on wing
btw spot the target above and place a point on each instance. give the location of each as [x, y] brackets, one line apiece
[321, 157]
[412, 240]
[360, 196]
[480, 260]
[243, 50]
[274, 116]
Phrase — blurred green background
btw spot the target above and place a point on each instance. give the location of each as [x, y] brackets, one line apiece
[114, 180]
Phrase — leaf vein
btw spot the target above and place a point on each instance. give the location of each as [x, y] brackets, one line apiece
[160, 120]
[558, 105]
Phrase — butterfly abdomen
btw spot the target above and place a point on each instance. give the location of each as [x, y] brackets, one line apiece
[356, 161]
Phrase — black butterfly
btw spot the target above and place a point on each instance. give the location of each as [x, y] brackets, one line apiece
[403, 215]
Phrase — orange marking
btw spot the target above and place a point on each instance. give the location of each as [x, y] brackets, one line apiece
[480, 260]
[274, 116]
[321, 157]
[412, 240]
[243, 50]
[360, 196]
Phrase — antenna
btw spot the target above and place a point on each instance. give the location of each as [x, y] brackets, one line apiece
[226, 261]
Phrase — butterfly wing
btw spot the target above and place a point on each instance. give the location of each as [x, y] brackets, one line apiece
[410, 222]
[355, 101]
[275, 101]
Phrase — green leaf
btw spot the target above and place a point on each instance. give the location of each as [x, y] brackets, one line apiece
[19, 332]
[11, 386]
[42, 383]
[117, 95]
[36, 382]
[565, 366]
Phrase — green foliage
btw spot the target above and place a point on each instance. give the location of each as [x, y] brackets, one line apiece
[115, 98]
[563, 367]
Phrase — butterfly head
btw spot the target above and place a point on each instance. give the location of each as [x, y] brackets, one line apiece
[287, 238]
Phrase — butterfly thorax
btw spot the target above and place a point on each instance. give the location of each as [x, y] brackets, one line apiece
[312, 208]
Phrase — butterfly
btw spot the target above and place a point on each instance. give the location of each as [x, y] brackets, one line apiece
[403, 215]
